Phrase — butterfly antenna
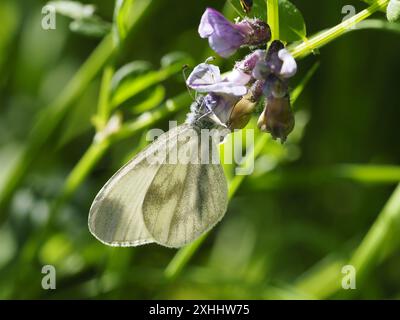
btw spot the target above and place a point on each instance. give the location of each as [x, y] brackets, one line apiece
[184, 68]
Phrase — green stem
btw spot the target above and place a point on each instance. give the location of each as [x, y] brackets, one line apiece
[273, 18]
[323, 38]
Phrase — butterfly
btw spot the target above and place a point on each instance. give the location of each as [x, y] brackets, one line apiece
[171, 203]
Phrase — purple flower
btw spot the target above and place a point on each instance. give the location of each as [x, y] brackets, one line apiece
[206, 78]
[274, 73]
[278, 61]
[226, 37]
[220, 106]
[242, 72]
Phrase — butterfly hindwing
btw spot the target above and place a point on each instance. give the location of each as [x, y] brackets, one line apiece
[185, 200]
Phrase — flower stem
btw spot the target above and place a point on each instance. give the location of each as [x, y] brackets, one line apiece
[273, 18]
[323, 38]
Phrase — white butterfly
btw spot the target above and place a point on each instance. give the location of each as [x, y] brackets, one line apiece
[169, 204]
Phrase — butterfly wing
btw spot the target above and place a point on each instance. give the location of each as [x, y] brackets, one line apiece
[115, 217]
[185, 200]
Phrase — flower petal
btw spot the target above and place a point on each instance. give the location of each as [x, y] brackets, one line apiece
[224, 36]
[225, 87]
[206, 78]
[239, 77]
[204, 74]
[289, 66]
[205, 28]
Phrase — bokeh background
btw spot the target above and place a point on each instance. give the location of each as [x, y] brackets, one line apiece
[291, 226]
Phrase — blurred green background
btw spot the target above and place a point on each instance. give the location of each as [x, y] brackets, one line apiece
[290, 227]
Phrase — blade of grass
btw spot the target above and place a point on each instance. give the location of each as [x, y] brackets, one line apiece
[311, 176]
[377, 245]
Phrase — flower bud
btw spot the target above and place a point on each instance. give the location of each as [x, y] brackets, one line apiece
[277, 118]
[241, 112]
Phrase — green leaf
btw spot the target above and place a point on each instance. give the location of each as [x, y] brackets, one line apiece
[378, 24]
[130, 70]
[131, 86]
[155, 98]
[73, 9]
[291, 22]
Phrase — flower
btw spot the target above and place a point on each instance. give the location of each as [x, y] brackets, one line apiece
[278, 61]
[226, 37]
[277, 118]
[274, 72]
[220, 107]
[206, 78]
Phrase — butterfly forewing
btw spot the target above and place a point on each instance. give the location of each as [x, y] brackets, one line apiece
[116, 217]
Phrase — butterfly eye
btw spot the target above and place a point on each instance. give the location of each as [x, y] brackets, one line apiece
[247, 5]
